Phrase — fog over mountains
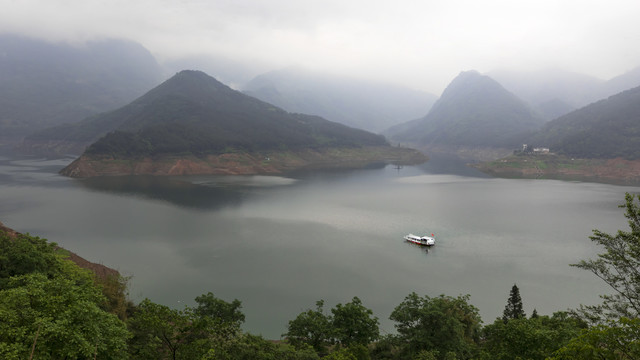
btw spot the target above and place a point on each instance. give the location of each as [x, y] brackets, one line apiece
[45, 84]
[49, 84]
[358, 103]
[556, 92]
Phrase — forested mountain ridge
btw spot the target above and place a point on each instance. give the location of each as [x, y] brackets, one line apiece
[192, 114]
[474, 110]
[45, 84]
[603, 130]
[197, 100]
[363, 104]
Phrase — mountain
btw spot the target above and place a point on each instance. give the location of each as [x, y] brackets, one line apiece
[473, 111]
[567, 89]
[233, 72]
[357, 103]
[194, 118]
[554, 92]
[620, 83]
[605, 129]
[45, 84]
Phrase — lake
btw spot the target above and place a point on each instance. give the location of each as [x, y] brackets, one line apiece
[279, 244]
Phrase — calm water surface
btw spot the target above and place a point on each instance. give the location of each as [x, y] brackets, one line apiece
[279, 244]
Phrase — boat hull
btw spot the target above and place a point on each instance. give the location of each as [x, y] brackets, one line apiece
[420, 240]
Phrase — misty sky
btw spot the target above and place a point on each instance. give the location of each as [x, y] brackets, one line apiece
[422, 44]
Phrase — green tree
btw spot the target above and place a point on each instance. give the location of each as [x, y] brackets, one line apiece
[250, 347]
[114, 288]
[386, 348]
[25, 254]
[444, 324]
[59, 318]
[618, 267]
[513, 309]
[311, 328]
[534, 338]
[160, 332]
[217, 316]
[50, 307]
[611, 341]
[351, 352]
[353, 323]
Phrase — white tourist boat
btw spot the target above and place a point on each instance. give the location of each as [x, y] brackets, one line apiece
[421, 240]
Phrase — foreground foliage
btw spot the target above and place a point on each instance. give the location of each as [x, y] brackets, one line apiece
[52, 309]
[619, 267]
[614, 340]
[351, 326]
[529, 338]
[447, 325]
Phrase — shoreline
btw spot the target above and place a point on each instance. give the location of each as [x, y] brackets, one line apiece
[550, 166]
[241, 163]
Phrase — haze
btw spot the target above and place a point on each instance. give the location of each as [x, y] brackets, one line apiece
[421, 44]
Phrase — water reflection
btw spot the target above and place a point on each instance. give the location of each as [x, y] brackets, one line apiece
[175, 191]
[424, 249]
[197, 192]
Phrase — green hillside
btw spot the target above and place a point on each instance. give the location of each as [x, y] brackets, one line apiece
[474, 110]
[606, 129]
[194, 113]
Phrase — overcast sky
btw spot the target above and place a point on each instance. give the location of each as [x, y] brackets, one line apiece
[422, 44]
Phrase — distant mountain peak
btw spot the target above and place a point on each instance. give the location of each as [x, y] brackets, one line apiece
[474, 110]
[194, 113]
[364, 104]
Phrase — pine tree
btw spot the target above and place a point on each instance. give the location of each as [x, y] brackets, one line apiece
[513, 310]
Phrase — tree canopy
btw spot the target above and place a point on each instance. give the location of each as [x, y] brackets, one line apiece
[513, 310]
[50, 308]
[444, 324]
[619, 267]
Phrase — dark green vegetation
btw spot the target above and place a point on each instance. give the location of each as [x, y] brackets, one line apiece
[361, 104]
[192, 113]
[52, 309]
[513, 310]
[473, 111]
[45, 84]
[603, 130]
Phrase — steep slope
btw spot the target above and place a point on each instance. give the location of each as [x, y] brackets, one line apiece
[555, 92]
[620, 83]
[195, 120]
[357, 103]
[567, 90]
[605, 129]
[101, 271]
[45, 84]
[474, 111]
